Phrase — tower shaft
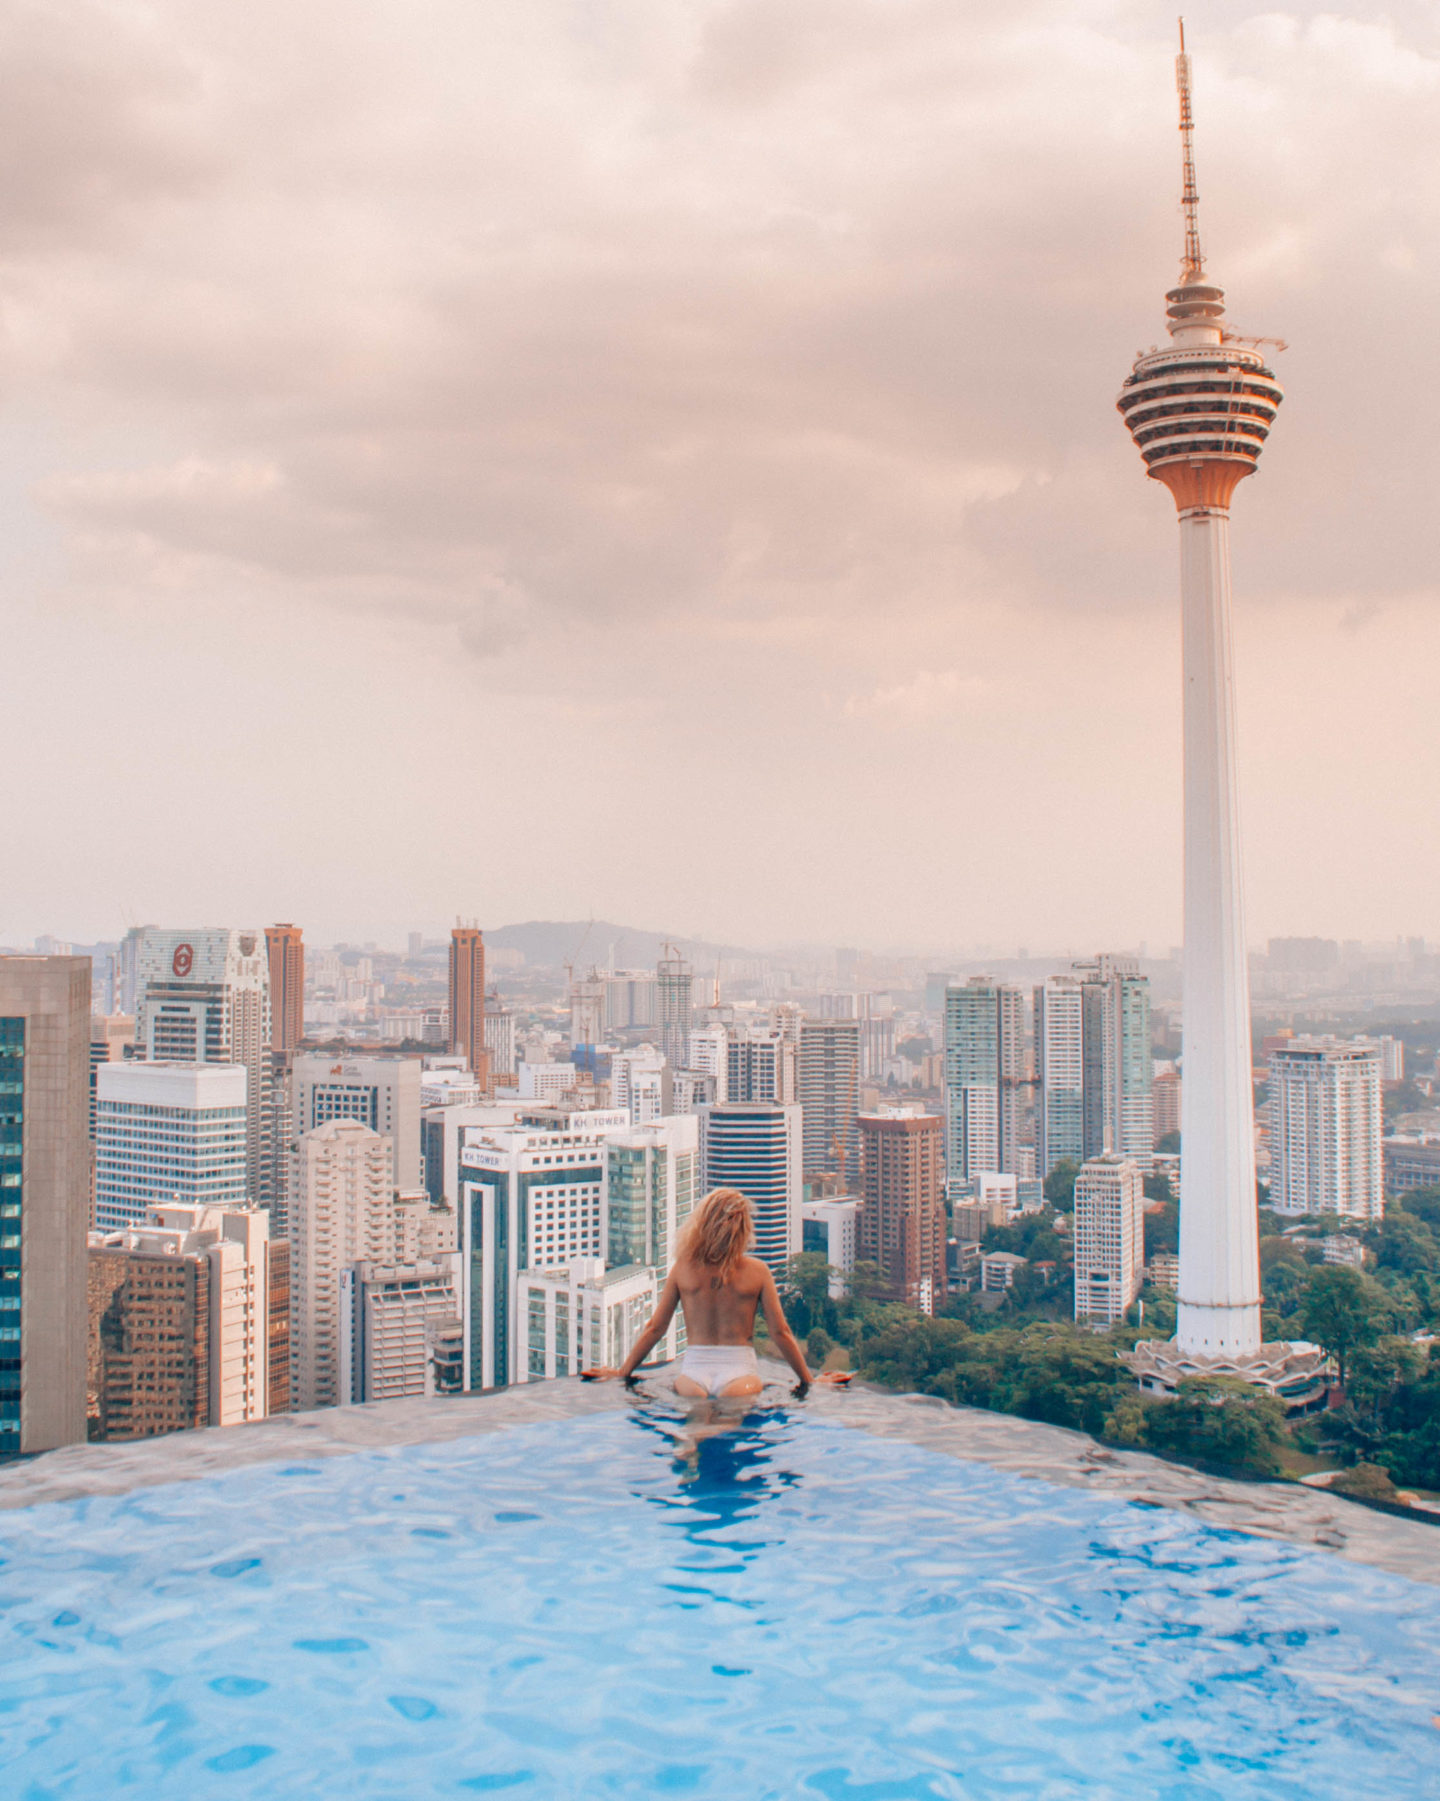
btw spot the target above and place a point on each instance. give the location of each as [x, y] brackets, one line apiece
[1219, 1297]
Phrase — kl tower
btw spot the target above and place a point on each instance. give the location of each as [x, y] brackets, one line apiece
[1200, 412]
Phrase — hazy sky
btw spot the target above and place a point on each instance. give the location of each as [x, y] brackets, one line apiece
[658, 459]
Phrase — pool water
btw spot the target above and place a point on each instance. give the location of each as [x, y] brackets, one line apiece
[802, 1610]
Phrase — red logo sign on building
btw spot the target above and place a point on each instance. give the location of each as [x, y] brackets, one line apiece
[183, 960]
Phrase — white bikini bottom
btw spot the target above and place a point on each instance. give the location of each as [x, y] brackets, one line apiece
[715, 1366]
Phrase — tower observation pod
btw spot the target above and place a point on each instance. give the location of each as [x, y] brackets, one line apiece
[1200, 412]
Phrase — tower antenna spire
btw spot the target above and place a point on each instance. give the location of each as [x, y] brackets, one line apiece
[1192, 266]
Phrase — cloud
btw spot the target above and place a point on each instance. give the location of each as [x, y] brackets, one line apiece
[739, 372]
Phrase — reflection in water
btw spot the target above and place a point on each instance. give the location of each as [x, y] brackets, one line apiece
[727, 1457]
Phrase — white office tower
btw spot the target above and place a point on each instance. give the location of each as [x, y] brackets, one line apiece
[1059, 1074]
[640, 1083]
[530, 1198]
[399, 1326]
[1109, 1238]
[827, 1086]
[673, 981]
[760, 1065]
[984, 1069]
[236, 1242]
[204, 997]
[448, 1087]
[708, 1054]
[1200, 412]
[1325, 1129]
[758, 1148]
[341, 1213]
[580, 1317]
[587, 1010]
[1118, 1059]
[545, 1082]
[500, 1039]
[168, 1133]
[828, 1229]
[380, 1092]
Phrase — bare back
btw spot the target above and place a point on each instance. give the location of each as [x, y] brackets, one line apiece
[721, 1308]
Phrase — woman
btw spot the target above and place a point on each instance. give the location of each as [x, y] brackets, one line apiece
[719, 1286]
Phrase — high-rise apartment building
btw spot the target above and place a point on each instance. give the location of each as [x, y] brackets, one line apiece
[630, 1000]
[1093, 1064]
[640, 1082]
[1059, 1073]
[285, 953]
[673, 980]
[500, 1041]
[204, 997]
[708, 1054]
[1119, 1108]
[168, 1134]
[467, 1000]
[901, 1226]
[530, 1198]
[580, 1316]
[759, 1149]
[341, 1213]
[1325, 1129]
[827, 1086]
[1166, 1092]
[984, 1070]
[45, 1180]
[1109, 1237]
[182, 1322]
[381, 1092]
[587, 1010]
[399, 1323]
[760, 1065]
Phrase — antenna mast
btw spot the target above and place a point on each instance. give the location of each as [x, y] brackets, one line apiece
[1192, 266]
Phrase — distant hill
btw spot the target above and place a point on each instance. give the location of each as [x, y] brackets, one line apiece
[550, 943]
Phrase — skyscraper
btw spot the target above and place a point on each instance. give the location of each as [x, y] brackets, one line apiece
[1109, 1237]
[587, 1010]
[341, 1213]
[168, 1134]
[760, 1065]
[44, 1200]
[757, 1147]
[180, 1322]
[902, 1216]
[673, 1007]
[204, 997]
[1325, 1129]
[1200, 412]
[984, 1067]
[285, 951]
[1059, 1073]
[828, 1089]
[381, 1092]
[467, 1000]
[1118, 1066]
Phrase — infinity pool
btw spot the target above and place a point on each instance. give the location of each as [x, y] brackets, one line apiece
[801, 1610]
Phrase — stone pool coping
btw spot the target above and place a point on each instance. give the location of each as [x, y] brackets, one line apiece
[1289, 1511]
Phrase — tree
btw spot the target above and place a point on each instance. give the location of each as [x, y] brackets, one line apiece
[1216, 1419]
[1366, 1482]
[1169, 1144]
[1338, 1313]
[1059, 1185]
[1162, 1229]
[805, 1287]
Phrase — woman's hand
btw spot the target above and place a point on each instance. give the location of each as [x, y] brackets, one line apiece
[601, 1373]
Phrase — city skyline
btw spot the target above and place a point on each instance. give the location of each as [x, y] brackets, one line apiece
[764, 380]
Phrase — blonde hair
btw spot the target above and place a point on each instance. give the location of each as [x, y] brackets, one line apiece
[718, 1233]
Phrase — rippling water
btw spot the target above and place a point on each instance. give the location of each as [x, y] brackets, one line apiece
[798, 1611]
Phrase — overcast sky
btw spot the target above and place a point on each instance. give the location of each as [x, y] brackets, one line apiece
[657, 459]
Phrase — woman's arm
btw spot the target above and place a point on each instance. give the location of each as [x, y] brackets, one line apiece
[781, 1336]
[655, 1329]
